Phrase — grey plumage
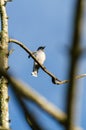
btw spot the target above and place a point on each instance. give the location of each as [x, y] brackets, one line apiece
[40, 55]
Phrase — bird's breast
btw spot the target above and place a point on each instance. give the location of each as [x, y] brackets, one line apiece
[41, 56]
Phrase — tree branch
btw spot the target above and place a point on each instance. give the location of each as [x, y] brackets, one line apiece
[55, 80]
[4, 114]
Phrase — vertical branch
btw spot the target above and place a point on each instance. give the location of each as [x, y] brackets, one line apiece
[4, 116]
[72, 91]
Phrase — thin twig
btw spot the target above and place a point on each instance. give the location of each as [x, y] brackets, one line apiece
[55, 80]
[75, 77]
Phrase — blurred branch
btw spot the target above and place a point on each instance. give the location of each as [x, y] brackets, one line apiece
[72, 89]
[55, 80]
[29, 115]
[29, 93]
[75, 77]
[3, 128]
[32, 119]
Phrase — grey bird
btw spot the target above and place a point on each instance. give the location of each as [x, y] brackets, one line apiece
[40, 55]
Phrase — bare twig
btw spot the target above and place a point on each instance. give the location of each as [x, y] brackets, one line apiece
[29, 93]
[55, 80]
[75, 77]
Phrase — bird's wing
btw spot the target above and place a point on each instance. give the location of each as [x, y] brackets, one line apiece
[34, 53]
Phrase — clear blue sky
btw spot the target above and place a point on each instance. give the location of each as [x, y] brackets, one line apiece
[49, 23]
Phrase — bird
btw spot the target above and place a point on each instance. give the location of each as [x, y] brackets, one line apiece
[41, 57]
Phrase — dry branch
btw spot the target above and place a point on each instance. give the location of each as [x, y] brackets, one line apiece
[55, 80]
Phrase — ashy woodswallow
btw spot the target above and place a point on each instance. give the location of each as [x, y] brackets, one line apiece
[40, 55]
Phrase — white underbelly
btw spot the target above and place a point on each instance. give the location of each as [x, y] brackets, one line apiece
[41, 57]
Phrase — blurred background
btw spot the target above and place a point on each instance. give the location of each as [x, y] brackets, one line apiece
[48, 23]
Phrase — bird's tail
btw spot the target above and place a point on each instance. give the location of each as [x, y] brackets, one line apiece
[34, 73]
[35, 70]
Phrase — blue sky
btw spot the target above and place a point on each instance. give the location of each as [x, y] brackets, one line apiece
[49, 23]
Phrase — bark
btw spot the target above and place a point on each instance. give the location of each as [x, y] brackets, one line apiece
[4, 115]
